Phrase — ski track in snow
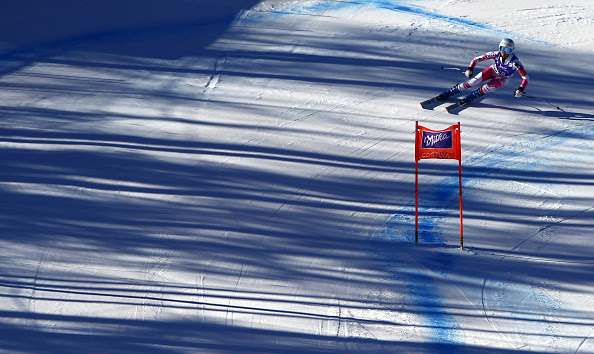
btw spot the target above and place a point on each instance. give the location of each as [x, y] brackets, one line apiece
[444, 195]
[396, 6]
[427, 282]
[426, 294]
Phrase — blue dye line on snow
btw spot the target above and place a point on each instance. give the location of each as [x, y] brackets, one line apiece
[420, 11]
[394, 5]
[421, 288]
[431, 310]
[397, 6]
[400, 227]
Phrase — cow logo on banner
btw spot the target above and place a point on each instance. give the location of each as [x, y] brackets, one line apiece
[437, 144]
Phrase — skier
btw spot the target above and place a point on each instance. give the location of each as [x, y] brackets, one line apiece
[496, 75]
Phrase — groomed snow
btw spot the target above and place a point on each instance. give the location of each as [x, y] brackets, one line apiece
[238, 176]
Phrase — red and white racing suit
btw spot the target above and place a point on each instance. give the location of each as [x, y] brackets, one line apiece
[497, 74]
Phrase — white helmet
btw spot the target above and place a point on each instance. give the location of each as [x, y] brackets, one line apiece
[506, 45]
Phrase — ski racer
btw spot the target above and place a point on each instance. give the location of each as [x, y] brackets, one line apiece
[496, 75]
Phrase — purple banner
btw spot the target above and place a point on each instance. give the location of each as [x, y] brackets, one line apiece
[440, 140]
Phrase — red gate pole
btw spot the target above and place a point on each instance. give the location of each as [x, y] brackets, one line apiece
[416, 201]
[416, 184]
[460, 175]
[460, 181]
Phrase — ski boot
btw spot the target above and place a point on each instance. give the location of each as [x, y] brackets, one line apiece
[471, 97]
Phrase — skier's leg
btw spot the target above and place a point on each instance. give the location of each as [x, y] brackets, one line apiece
[448, 93]
[488, 87]
[472, 96]
[493, 85]
[484, 75]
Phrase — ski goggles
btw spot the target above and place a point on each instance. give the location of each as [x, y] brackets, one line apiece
[505, 50]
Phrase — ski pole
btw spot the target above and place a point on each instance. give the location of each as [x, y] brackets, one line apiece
[540, 99]
[448, 68]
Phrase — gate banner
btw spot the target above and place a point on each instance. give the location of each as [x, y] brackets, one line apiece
[437, 144]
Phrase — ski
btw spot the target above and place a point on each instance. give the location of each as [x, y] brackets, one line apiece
[455, 106]
[431, 101]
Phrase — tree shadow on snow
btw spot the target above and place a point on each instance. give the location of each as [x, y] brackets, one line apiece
[552, 112]
[119, 225]
[33, 30]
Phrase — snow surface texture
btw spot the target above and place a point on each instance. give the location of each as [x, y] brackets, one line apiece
[238, 176]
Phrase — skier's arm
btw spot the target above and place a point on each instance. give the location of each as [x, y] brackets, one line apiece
[524, 76]
[489, 55]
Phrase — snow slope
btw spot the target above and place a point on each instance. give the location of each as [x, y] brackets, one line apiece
[241, 179]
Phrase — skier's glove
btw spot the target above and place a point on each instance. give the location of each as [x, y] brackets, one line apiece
[468, 72]
[519, 91]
